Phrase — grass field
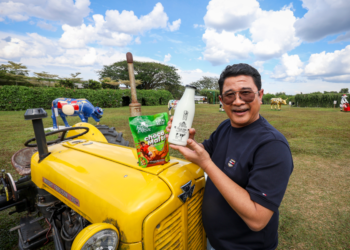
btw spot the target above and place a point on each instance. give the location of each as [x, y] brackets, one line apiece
[315, 212]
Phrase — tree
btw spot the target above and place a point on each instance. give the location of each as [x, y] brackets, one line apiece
[152, 75]
[92, 84]
[346, 90]
[14, 71]
[44, 77]
[66, 83]
[206, 82]
[267, 98]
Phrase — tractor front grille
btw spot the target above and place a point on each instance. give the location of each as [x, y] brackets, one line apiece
[183, 227]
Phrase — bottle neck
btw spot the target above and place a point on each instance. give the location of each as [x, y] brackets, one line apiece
[188, 94]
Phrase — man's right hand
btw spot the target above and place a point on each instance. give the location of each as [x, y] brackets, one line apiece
[192, 131]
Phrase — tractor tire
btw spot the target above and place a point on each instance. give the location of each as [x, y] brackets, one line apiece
[112, 135]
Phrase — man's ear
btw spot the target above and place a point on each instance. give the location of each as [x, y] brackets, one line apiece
[261, 94]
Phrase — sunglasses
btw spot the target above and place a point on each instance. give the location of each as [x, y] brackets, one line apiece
[245, 95]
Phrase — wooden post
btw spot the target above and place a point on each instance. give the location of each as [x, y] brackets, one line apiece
[135, 107]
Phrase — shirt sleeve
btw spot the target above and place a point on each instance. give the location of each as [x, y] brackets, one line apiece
[269, 175]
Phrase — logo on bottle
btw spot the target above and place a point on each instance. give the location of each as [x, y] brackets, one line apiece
[181, 131]
[185, 115]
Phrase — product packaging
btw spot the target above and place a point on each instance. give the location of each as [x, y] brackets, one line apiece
[149, 136]
[183, 118]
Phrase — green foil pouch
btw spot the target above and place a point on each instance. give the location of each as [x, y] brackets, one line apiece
[149, 136]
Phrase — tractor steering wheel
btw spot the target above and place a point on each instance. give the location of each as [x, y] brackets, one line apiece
[64, 131]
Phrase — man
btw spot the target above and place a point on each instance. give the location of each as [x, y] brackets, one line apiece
[144, 149]
[248, 163]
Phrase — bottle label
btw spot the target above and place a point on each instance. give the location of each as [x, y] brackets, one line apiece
[181, 130]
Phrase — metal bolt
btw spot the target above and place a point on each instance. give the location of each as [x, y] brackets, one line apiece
[125, 176]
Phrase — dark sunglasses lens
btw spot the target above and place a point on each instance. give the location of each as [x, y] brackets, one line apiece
[228, 99]
[247, 96]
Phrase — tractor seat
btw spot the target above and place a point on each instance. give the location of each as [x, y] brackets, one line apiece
[21, 160]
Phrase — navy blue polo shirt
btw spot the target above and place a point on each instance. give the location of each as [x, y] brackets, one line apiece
[258, 158]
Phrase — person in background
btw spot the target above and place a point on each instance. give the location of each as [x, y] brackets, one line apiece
[248, 163]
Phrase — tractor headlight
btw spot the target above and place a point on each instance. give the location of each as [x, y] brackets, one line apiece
[99, 236]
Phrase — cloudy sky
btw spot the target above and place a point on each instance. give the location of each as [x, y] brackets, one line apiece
[298, 46]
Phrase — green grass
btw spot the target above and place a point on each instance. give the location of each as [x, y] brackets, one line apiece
[315, 212]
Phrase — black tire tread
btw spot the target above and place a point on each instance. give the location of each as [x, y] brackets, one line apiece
[112, 135]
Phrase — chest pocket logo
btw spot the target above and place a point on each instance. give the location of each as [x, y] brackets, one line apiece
[231, 163]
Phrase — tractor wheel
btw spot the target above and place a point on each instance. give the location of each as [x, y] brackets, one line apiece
[112, 135]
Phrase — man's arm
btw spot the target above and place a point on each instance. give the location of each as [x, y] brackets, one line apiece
[253, 214]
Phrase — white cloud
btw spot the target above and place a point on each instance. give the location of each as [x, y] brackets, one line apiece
[259, 65]
[127, 22]
[64, 11]
[138, 40]
[225, 46]
[175, 26]
[189, 76]
[42, 54]
[198, 26]
[167, 58]
[46, 26]
[116, 29]
[33, 45]
[272, 32]
[78, 37]
[331, 67]
[324, 17]
[231, 15]
[289, 68]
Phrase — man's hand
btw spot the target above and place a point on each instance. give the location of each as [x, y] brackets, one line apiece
[195, 153]
[192, 131]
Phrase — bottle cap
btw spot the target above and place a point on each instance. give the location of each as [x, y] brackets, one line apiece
[190, 86]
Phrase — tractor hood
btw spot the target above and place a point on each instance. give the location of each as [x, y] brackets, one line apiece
[104, 183]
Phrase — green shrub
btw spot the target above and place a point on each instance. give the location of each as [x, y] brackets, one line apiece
[22, 98]
[318, 100]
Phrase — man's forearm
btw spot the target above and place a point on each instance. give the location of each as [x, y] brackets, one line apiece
[254, 215]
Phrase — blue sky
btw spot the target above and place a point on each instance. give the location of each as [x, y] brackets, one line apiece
[297, 46]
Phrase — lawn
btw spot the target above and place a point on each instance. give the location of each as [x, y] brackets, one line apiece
[315, 212]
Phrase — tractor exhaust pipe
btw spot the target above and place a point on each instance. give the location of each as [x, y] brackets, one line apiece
[36, 115]
[135, 107]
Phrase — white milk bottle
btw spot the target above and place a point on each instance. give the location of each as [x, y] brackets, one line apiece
[183, 118]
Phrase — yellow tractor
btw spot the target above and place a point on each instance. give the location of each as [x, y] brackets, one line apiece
[82, 192]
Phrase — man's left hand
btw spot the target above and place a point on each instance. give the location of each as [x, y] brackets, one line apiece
[194, 153]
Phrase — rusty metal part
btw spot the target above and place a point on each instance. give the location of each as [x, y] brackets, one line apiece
[12, 185]
[135, 107]
[129, 58]
[21, 160]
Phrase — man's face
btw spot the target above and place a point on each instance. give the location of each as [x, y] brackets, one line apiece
[241, 113]
[142, 144]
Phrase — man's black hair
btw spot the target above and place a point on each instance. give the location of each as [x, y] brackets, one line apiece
[237, 70]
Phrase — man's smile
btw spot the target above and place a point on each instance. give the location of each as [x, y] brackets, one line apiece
[240, 111]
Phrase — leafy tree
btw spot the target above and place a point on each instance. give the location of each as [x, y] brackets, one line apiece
[206, 82]
[267, 98]
[66, 83]
[176, 90]
[345, 90]
[44, 77]
[14, 71]
[152, 75]
[92, 84]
